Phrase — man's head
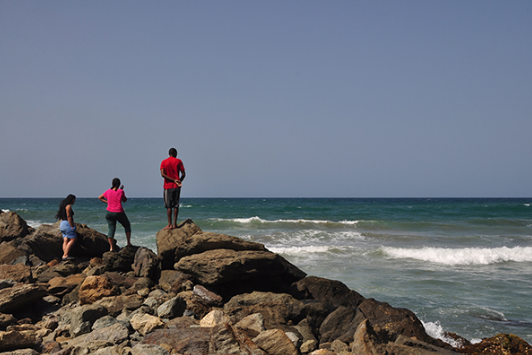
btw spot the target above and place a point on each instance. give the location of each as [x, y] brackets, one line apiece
[172, 152]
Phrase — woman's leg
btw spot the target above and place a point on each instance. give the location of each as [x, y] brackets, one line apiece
[124, 221]
[111, 222]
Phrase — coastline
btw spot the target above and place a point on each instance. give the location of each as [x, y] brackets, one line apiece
[265, 272]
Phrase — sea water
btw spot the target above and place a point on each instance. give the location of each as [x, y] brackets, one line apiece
[461, 265]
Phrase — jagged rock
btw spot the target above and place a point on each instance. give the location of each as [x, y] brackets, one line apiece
[94, 288]
[145, 323]
[195, 305]
[12, 340]
[24, 352]
[119, 279]
[59, 270]
[251, 325]
[117, 304]
[394, 321]
[121, 261]
[214, 318]
[6, 320]
[190, 341]
[277, 309]
[60, 286]
[507, 344]
[18, 272]
[172, 308]
[20, 296]
[82, 318]
[275, 342]
[332, 293]
[9, 252]
[12, 226]
[309, 341]
[146, 349]
[188, 239]
[340, 324]
[227, 340]
[229, 272]
[147, 264]
[115, 333]
[7, 283]
[210, 298]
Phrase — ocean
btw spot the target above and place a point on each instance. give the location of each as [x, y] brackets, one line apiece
[461, 265]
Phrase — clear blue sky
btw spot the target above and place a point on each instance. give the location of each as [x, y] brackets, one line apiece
[267, 98]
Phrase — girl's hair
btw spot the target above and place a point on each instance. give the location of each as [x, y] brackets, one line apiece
[61, 214]
[116, 183]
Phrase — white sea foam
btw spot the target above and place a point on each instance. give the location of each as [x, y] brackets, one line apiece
[435, 330]
[465, 256]
[257, 219]
[5, 211]
[311, 249]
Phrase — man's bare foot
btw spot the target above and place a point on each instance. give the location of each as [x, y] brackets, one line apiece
[168, 227]
[174, 226]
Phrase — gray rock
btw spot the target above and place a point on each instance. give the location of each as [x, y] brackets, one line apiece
[172, 308]
[82, 318]
[147, 349]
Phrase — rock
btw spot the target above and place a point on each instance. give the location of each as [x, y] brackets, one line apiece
[169, 241]
[94, 288]
[6, 320]
[507, 344]
[82, 318]
[120, 279]
[59, 270]
[9, 252]
[340, 324]
[277, 309]
[172, 308]
[188, 239]
[275, 342]
[189, 341]
[12, 226]
[195, 305]
[309, 341]
[46, 242]
[59, 286]
[12, 340]
[121, 261]
[231, 272]
[20, 296]
[210, 298]
[18, 272]
[332, 293]
[117, 304]
[214, 318]
[251, 325]
[115, 333]
[146, 323]
[147, 264]
[394, 321]
[146, 349]
[24, 352]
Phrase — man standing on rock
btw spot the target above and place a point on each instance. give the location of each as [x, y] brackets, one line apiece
[171, 169]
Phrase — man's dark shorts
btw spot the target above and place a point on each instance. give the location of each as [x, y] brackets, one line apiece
[171, 197]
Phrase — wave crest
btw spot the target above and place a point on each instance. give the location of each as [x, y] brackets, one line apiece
[465, 256]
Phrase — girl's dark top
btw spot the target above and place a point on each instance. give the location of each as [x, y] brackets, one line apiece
[63, 214]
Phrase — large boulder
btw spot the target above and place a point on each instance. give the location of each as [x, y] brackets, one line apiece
[12, 226]
[147, 264]
[18, 272]
[332, 293]
[9, 252]
[277, 309]
[188, 239]
[231, 272]
[46, 242]
[20, 296]
[95, 288]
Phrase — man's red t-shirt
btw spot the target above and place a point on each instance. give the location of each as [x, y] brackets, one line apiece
[172, 166]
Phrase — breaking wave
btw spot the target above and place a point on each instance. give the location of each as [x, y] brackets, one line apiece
[465, 256]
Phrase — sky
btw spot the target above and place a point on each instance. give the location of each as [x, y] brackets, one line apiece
[267, 98]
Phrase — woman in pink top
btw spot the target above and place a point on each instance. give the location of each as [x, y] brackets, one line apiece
[115, 212]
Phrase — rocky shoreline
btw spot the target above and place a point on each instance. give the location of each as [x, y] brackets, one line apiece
[201, 293]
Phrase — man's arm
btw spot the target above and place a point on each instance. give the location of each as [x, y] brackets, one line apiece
[177, 181]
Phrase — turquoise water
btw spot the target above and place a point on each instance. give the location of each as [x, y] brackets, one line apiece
[462, 265]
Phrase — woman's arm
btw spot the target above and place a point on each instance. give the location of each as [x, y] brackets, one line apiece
[101, 198]
[70, 217]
